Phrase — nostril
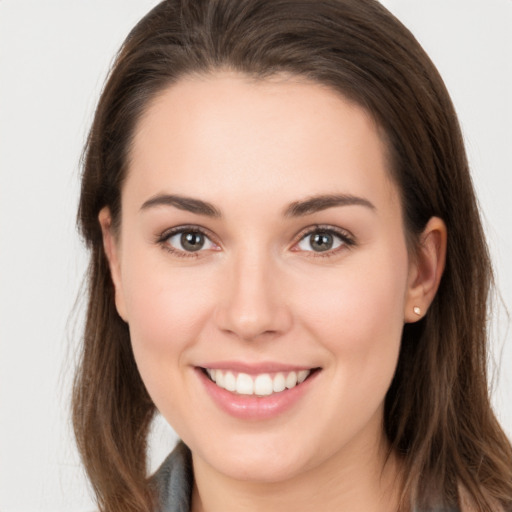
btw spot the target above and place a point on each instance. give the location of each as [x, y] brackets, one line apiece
[251, 303]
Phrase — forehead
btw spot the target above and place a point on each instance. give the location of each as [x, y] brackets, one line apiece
[226, 132]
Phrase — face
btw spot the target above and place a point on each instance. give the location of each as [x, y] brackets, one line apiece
[262, 247]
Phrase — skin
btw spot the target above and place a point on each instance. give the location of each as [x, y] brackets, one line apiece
[258, 292]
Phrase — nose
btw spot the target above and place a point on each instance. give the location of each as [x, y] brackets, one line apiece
[252, 304]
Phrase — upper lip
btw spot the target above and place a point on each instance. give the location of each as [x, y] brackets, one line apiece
[255, 368]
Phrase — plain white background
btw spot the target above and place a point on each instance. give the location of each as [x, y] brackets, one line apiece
[54, 56]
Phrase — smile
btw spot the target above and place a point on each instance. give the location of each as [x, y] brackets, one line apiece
[263, 384]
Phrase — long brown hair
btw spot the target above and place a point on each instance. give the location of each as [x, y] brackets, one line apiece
[437, 411]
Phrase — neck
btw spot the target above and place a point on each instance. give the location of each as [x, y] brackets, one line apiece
[354, 479]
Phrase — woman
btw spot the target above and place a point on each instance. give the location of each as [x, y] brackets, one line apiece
[288, 263]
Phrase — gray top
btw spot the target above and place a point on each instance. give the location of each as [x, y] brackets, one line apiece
[174, 480]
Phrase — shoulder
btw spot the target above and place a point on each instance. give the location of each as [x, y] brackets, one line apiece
[173, 481]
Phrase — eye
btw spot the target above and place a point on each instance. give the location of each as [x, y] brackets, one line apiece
[323, 240]
[186, 240]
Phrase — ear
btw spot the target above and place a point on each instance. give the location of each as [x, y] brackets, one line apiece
[425, 270]
[111, 247]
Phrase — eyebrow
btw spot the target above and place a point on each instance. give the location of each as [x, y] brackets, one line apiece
[183, 203]
[296, 209]
[323, 202]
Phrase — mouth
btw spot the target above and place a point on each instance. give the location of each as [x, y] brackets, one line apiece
[261, 384]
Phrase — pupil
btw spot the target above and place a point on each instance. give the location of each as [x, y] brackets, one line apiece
[192, 241]
[321, 242]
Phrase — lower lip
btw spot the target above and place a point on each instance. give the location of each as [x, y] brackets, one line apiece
[252, 407]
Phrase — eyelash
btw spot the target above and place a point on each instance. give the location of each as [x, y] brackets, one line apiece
[164, 237]
[346, 238]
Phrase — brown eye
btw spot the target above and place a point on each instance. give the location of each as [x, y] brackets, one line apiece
[189, 241]
[192, 241]
[323, 240]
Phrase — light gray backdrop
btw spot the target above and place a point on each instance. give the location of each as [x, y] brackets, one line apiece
[53, 58]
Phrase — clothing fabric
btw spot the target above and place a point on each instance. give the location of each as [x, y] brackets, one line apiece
[174, 480]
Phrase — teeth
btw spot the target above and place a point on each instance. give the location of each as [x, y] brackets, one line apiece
[229, 382]
[219, 379]
[301, 376]
[244, 384]
[279, 383]
[291, 380]
[261, 385]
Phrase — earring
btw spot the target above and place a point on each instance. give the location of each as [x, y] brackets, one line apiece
[417, 310]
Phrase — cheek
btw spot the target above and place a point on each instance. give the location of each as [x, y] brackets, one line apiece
[163, 303]
[358, 318]
[357, 312]
[166, 310]
[166, 307]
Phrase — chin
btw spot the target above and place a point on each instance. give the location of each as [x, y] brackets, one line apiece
[260, 470]
[259, 464]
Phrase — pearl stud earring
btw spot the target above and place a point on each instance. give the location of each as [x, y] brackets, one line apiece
[417, 310]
